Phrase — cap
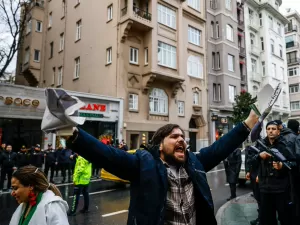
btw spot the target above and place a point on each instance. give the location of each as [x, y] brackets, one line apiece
[37, 146]
[49, 145]
[273, 122]
[279, 122]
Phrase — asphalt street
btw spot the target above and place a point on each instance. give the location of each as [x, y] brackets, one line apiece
[109, 202]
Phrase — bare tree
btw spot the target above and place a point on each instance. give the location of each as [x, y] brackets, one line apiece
[12, 26]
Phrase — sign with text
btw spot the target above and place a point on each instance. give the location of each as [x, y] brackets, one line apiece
[91, 115]
[94, 107]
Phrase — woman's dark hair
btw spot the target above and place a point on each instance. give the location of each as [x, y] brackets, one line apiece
[32, 176]
[163, 132]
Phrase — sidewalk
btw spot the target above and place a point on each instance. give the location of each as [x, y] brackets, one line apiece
[239, 211]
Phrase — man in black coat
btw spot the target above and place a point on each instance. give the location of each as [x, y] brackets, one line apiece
[50, 160]
[8, 162]
[232, 169]
[23, 157]
[37, 157]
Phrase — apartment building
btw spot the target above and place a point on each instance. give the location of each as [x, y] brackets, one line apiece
[226, 70]
[266, 53]
[150, 53]
[292, 39]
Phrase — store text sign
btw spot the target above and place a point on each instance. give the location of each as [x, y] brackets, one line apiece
[94, 107]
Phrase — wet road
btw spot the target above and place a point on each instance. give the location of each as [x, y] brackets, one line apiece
[109, 202]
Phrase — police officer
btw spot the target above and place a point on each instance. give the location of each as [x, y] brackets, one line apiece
[274, 180]
[8, 161]
[37, 157]
[50, 160]
[23, 157]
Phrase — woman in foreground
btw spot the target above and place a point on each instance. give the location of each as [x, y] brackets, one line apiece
[40, 201]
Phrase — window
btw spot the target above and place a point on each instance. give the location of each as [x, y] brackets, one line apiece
[194, 35]
[59, 76]
[280, 51]
[195, 98]
[217, 30]
[109, 55]
[278, 28]
[158, 101]
[194, 66]
[146, 56]
[166, 16]
[213, 58]
[36, 55]
[109, 12]
[218, 93]
[274, 70]
[166, 55]
[253, 65]
[214, 92]
[134, 55]
[39, 26]
[218, 61]
[282, 74]
[27, 55]
[78, 30]
[53, 76]
[61, 42]
[180, 106]
[133, 102]
[295, 105]
[260, 19]
[255, 90]
[293, 71]
[262, 43]
[50, 20]
[77, 68]
[271, 22]
[272, 46]
[291, 57]
[229, 32]
[28, 27]
[252, 39]
[212, 27]
[231, 63]
[51, 50]
[228, 4]
[232, 93]
[194, 4]
[263, 64]
[63, 7]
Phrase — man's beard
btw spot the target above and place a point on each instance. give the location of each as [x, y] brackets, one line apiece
[172, 160]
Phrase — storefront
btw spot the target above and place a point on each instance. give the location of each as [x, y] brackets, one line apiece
[22, 109]
[220, 125]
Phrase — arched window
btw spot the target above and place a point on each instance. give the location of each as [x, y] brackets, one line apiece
[212, 29]
[158, 101]
[229, 32]
[217, 30]
[194, 66]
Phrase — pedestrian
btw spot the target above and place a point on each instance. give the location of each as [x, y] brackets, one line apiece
[289, 133]
[50, 160]
[273, 178]
[40, 201]
[37, 157]
[23, 157]
[9, 164]
[232, 169]
[168, 183]
[3, 147]
[63, 162]
[81, 180]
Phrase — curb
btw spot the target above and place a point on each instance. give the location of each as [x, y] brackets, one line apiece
[221, 210]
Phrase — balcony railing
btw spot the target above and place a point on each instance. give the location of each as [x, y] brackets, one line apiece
[291, 28]
[292, 44]
[255, 50]
[255, 76]
[243, 78]
[293, 60]
[242, 50]
[124, 11]
[141, 13]
[241, 22]
[253, 22]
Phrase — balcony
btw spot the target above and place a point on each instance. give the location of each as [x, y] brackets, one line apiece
[241, 24]
[254, 24]
[255, 50]
[291, 28]
[293, 61]
[290, 46]
[243, 79]
[135, 18]
[242, 51]
[256, 77]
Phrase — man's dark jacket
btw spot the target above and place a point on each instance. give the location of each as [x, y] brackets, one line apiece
[148, 175]
[290, 138]
[50, 156]
[8, 159]
[233, 166]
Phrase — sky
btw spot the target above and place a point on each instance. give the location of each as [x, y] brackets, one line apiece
[293, 4]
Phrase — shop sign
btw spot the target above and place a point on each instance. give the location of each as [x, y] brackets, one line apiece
[19, 101]
[224, 120]
[94, 107]
[91, 115]
[214, 118]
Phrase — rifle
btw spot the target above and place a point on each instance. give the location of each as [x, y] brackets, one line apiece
[276, 155]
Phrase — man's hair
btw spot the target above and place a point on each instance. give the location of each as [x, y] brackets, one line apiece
[163, 132]
[293, 125]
